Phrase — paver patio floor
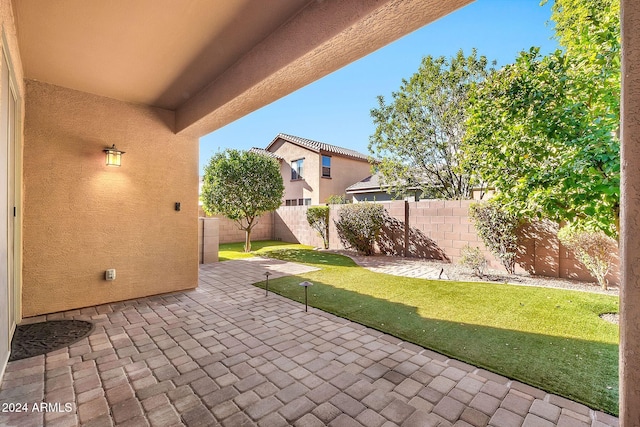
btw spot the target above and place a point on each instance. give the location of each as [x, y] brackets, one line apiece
[226, 355]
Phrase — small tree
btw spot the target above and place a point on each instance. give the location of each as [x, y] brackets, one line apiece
[242, 185]
[359, 225]
[592, 248]
[318, 219]
[472, 258]
[497, 229]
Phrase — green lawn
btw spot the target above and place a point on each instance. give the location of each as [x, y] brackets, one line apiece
[227, 251]
[549, 338]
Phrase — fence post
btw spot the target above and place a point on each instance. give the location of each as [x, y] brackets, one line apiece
[405, 249]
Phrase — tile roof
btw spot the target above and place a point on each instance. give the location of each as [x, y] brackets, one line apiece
[265, 152]
[374, 183]
[318, 147]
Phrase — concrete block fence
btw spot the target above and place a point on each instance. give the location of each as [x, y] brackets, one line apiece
[432, 229]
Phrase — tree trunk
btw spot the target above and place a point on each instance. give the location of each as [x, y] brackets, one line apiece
[247, 240]
[325, 237]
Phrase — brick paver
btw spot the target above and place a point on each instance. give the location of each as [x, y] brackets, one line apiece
[226, 355]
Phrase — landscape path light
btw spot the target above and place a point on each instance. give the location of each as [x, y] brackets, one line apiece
[266, 288]
[306, 285]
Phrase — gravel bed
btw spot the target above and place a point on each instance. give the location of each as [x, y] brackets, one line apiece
[456, 272]
[611, 317]
[459, 273]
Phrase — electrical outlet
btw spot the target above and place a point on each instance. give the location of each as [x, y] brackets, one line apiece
[110, 274]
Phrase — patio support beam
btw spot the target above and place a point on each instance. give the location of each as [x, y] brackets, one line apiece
[323, 37]
[630, 216]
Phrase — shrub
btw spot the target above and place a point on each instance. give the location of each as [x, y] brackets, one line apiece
[472, 258]
[318, 219]
[359, 225]
[592, 249]
[497, 229]
[336, 199]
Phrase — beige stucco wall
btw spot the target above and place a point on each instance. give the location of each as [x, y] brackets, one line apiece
[306, 188]
[82, 217]
[344, 172]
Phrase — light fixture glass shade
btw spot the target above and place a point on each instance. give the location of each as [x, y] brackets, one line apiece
[114, 156]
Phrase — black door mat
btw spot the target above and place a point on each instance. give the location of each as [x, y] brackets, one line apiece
[39, 338]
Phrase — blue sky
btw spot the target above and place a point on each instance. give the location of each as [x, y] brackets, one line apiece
[336, 108]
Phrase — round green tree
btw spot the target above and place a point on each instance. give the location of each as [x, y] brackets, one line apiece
[545, 130]
[418, 133]
[242, 185]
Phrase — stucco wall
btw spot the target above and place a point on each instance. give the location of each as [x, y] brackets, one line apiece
[306, 188]
[82, 217]
[344, 172]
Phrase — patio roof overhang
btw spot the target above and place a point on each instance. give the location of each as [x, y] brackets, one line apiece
[211, 62]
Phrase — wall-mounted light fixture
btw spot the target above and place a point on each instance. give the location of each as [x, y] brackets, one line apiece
[114, 156]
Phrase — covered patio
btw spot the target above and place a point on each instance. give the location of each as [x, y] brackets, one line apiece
[225, 354]
[151, 77]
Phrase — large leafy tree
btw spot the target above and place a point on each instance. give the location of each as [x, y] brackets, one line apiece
[242, 185]
[544, 130]
[418, 134]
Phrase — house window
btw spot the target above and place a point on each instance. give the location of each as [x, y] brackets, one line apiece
[326, 167]
[296, 169]
[297, 202]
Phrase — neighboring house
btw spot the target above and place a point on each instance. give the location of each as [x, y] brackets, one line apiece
[312, 171]
[372, 188]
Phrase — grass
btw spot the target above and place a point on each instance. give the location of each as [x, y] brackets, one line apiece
[227, 251]
[550, 338]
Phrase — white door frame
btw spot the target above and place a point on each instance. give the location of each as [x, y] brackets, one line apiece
[14, 193]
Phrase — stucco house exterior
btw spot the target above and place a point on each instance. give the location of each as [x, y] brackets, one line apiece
[152, 77]
[312, 170]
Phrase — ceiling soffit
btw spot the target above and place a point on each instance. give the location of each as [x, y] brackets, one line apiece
[155, 52]
[211, 61]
